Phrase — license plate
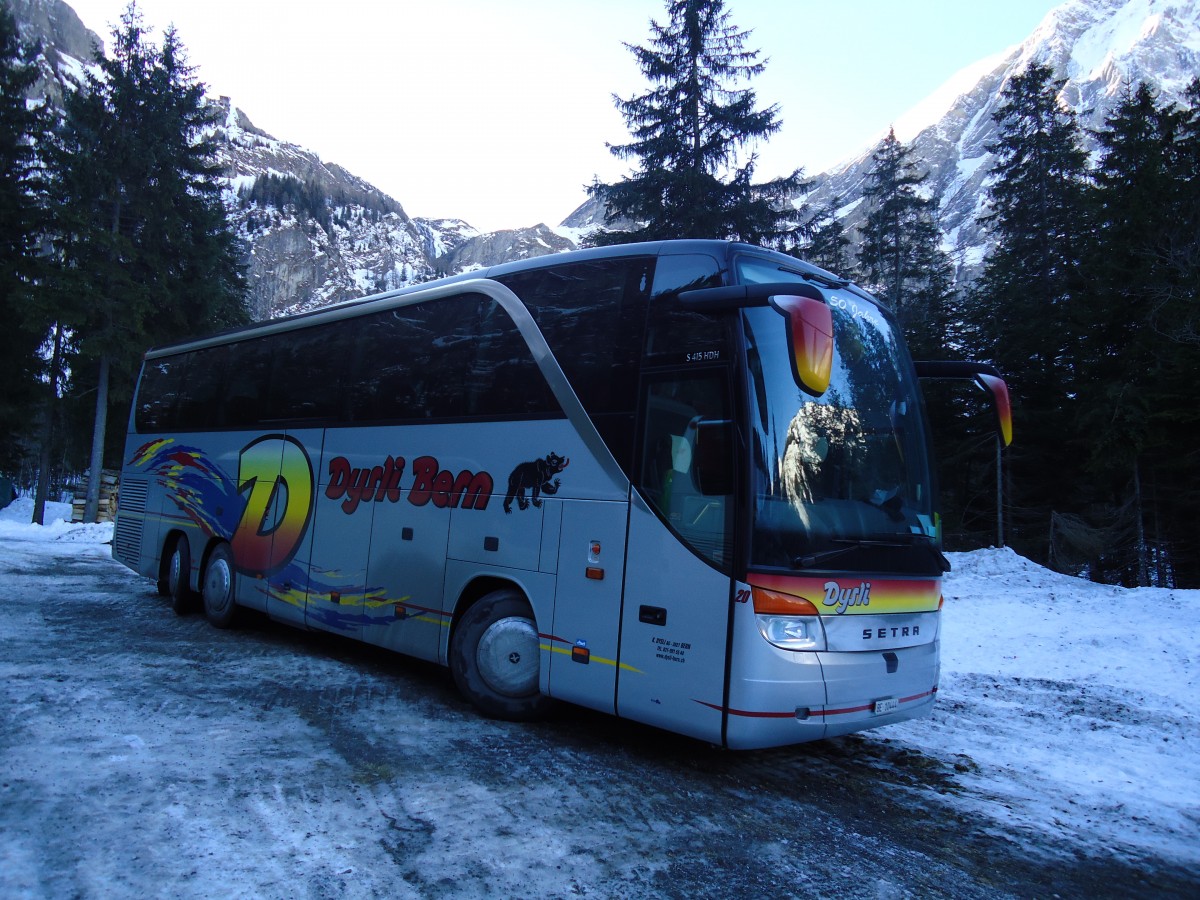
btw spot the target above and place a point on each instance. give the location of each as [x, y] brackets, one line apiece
[886, 705]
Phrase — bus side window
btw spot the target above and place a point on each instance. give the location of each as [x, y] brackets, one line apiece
[504, 379]
[160, 394]
[309, 380]
[678, 408]
[593, 316]
[676, 336]
[246, 379]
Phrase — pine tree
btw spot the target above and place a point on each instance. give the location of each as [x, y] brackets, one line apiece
[900, 257]
[821, 240]
[22, 215]
[146, 250]
[1138, 370]
[1023, 314]
[690, 130]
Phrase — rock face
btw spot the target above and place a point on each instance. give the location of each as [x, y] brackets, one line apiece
[65, 41]
[342, 239]
[1098, 46]
[313, 233]
[485, 250]
[350, 241]
[316, 234]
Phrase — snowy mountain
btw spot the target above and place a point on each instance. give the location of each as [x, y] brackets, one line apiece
[1099, 46]
[362, 240]
[347, 240]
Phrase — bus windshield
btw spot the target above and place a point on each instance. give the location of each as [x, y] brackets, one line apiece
[840, 480]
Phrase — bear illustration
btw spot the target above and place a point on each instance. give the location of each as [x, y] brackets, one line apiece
[534, 477]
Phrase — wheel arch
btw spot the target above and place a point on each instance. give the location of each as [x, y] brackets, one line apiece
[210, 545]
[478, 588]
[468, 583]
[164, 555]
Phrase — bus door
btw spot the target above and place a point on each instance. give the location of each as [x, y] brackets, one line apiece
[355, 469]
[587, 605]
[675, 618]
[407, 575]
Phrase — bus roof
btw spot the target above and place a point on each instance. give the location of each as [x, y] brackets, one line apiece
[723, 251]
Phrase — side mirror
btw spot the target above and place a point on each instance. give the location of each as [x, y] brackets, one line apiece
[810, 339]
[712, 459]
[809, 322]
[985, 376]
[999, 390]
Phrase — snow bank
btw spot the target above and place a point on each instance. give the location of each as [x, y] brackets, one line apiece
[1070, 705]
[16, 524]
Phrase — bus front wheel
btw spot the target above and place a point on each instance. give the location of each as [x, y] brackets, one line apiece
[495, 657]
[219, 606]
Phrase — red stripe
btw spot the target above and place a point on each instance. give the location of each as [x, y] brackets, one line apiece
[752, 714]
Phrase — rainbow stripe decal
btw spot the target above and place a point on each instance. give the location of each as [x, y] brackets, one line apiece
[198, 487]
[264, 515]
[857, 596]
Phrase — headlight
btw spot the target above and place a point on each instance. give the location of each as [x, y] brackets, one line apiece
[793, 632]
[787, 621]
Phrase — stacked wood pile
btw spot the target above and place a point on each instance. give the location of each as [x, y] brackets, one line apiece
[107, 511]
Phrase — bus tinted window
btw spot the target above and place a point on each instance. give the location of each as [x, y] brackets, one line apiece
[505, 381]
[676, 336]
[593, 317]
[163, 382]
[247, 374]
[452, 358]
[199, 404]
[312, 373]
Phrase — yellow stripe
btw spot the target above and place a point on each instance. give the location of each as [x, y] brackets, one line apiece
[600, 659]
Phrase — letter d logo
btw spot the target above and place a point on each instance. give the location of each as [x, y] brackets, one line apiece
[276, 470]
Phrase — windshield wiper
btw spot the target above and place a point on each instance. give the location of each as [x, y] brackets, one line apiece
[897, 541]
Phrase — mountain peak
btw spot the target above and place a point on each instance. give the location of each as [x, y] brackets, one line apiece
[1099, 47]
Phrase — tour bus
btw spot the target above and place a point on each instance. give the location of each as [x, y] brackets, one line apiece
[687, 483]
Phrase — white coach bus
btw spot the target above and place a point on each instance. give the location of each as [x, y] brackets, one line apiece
[687, 483]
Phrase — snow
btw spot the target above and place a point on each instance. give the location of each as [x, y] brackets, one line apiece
[574, 235]
[16, 524]
[1066, 710]
[846, 209]
[1112, 38]
[1075, 702]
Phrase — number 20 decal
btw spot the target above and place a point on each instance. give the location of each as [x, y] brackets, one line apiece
[278, 474]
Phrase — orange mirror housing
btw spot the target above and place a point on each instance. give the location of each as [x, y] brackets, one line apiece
[810, 340]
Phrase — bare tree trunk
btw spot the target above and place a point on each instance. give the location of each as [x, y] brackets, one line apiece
[1143, 573]
[91, 510]
[48, 422]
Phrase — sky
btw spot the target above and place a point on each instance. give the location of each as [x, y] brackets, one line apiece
[499, 113]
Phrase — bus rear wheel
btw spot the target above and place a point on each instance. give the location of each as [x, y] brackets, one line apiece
[179, 565]
[495, 657]
[219, 606]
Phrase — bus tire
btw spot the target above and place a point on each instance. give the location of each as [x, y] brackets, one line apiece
[179, 564]
[495, 657]
[220, 607]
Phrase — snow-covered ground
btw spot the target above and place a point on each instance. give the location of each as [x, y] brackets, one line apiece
[1076, 706]
[1067, 710]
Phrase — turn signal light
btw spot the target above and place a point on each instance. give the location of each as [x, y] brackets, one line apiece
[774, 603]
